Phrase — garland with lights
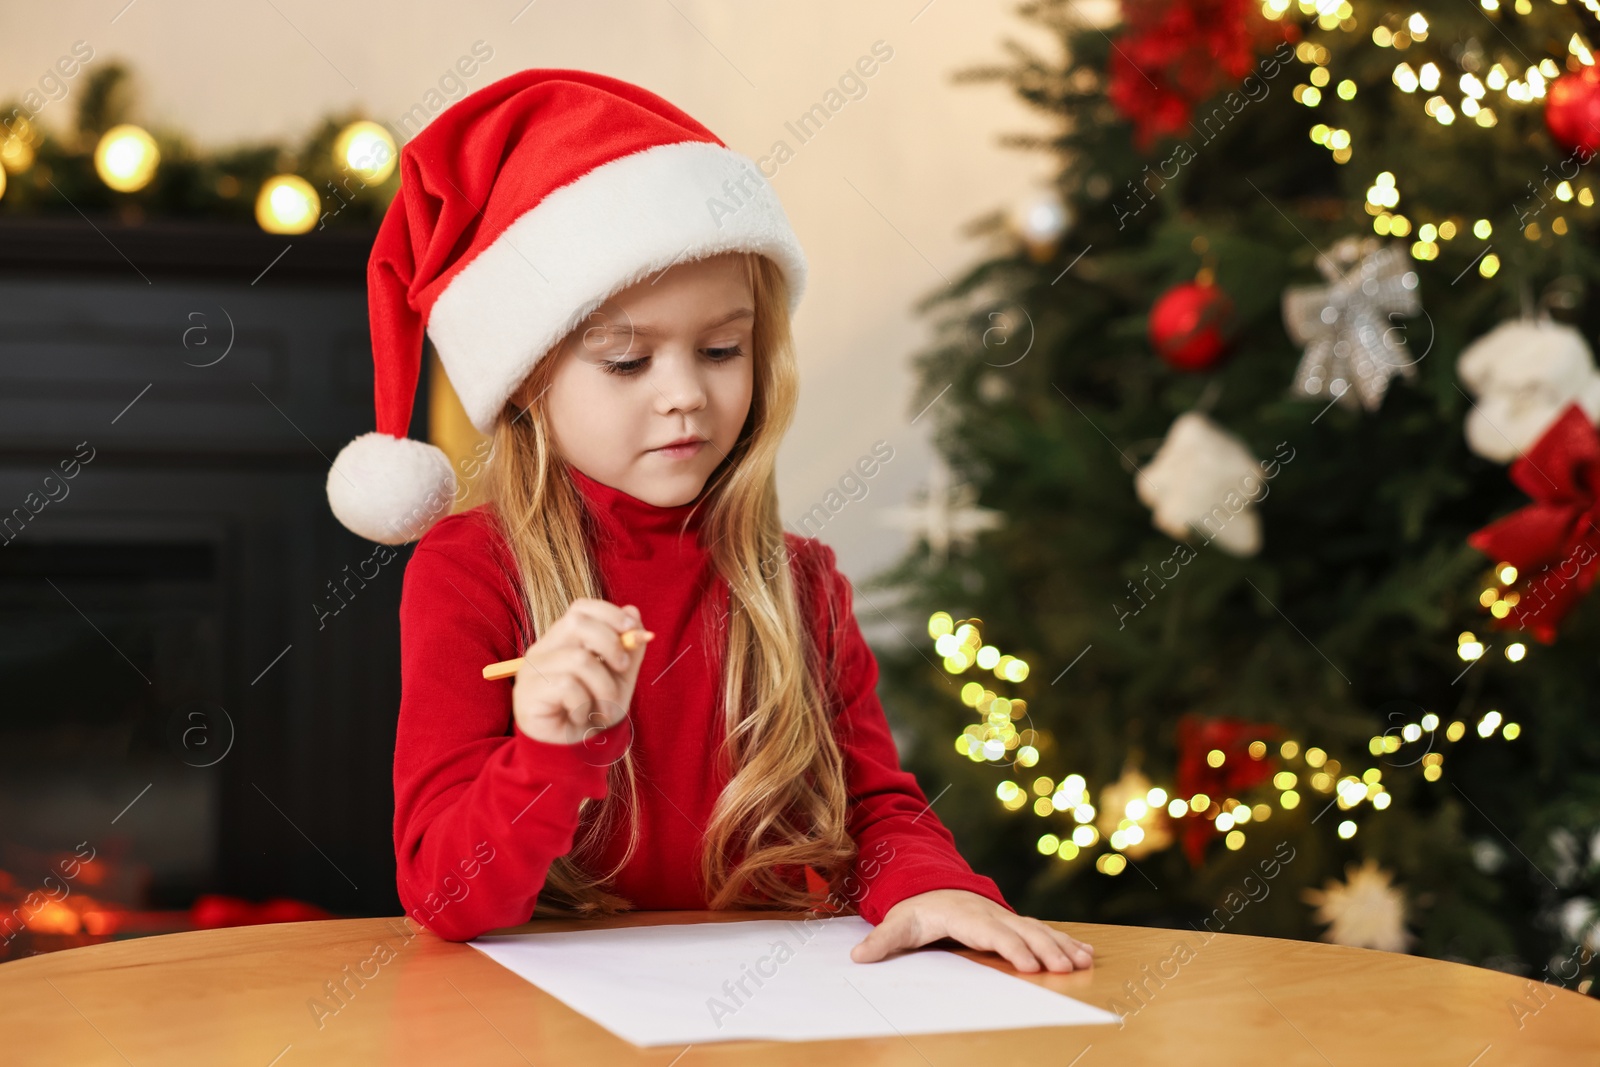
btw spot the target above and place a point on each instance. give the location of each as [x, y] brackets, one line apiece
[343, 173]
[1149, 817]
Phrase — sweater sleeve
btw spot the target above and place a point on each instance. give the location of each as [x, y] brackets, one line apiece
[481, 809]
[903, 848]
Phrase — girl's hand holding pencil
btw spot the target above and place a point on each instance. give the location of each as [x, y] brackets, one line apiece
[579, 676]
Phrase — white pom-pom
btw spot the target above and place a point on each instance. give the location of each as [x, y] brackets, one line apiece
[390, 489]
[1525, 372]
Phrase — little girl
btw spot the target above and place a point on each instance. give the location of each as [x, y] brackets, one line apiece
[694, 722]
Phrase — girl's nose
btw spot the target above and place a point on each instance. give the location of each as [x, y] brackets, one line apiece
[680, 383]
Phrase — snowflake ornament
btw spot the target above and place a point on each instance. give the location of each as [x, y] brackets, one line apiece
[1366, 910]
[947, 517]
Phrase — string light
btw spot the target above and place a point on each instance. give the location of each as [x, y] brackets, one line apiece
[1383, 193]
[1497, 597]
[991, 739]
[366, 149]
[287, 204]
[126, 158]
[16, 147]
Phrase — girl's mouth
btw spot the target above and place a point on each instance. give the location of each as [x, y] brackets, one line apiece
[683, 451]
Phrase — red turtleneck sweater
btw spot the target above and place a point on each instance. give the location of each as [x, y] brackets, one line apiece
[481, 809]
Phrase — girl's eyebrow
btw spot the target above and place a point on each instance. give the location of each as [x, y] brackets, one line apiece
[732, 316]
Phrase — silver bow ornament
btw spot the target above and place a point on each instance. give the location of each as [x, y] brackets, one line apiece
[1345, 325]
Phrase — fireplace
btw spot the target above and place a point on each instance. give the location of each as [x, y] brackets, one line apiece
[175, 696]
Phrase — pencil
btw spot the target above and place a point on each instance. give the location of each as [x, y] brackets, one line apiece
[506, 668]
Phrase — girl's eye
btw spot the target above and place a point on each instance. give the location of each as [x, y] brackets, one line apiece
[627, 367]
[622, 366]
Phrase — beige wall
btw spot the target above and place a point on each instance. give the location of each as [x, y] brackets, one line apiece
[915, 147]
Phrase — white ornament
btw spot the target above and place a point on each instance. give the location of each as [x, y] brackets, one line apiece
[1577, 918]
[1568, 850]
[1203, 480]
[1524, 373]
[1041, 221]
[947, 515]
[1364, 911]
[1487, 856]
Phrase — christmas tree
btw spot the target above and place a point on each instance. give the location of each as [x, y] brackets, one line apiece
[1283, 396]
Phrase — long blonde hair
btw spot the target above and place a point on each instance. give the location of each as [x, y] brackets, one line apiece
[785, 805]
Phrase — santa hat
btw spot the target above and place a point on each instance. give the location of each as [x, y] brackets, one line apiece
[521, 209]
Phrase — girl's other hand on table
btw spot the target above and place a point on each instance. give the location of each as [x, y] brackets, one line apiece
[976, 922]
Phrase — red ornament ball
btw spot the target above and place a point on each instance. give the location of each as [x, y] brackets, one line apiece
[1188, 325]
[1572, 110]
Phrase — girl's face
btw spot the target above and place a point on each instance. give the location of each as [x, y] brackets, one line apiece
[666, 359]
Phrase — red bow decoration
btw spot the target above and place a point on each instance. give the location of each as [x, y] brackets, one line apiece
[1555, 541]
[1197, 737]
[1175, 53]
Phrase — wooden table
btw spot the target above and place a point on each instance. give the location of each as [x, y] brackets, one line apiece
[250, 996]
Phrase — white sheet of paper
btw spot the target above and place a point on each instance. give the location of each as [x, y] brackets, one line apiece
[680, 985]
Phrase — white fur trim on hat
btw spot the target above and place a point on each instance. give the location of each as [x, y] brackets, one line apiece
[390, 489]
[586, 241]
